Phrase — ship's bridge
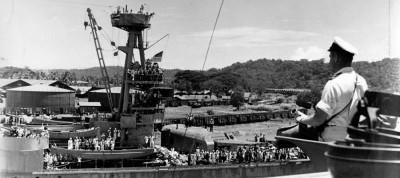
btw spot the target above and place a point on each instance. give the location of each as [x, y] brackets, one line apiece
[130, 21]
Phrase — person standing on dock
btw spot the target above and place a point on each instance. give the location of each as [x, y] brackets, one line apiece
[112, 144]
[70, 144]
[115, 134]
[109, 132]
[151, 141]
[211, 124]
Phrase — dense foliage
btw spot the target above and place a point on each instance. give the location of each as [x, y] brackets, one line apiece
[257, 75]
[70, 77]
[252, 76]
[237, 98]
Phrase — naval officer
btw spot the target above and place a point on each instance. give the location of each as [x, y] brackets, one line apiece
[340, 95]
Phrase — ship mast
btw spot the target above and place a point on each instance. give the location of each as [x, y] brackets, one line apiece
[139, 122]
[134, 24]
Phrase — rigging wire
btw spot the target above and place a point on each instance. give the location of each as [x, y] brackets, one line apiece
[191, 108]
[165, 47]
[212, 35]
[389, 31]
[167, 35]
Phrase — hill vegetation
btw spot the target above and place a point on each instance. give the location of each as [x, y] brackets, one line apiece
[264, 73]
[249, 76]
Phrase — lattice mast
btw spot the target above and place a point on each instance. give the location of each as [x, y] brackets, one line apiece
[136, 123]
[93, 25]
[134, 24]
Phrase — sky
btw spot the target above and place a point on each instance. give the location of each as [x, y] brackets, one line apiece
[49, 34]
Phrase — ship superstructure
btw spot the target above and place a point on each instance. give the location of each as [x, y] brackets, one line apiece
[141, 96]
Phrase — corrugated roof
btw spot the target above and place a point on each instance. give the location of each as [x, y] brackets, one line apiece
[41, 88]
[4, 81]
[39, 82]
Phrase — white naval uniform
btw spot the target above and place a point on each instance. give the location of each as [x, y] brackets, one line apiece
[335, 96]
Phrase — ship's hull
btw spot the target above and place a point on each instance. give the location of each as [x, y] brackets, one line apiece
[21, 156]
[202, 171]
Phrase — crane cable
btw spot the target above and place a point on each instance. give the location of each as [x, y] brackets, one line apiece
[191, 108]
[212, 35]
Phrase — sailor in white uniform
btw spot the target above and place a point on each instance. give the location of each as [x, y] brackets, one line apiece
[340, 95]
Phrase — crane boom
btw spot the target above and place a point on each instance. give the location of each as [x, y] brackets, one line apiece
[104, 74]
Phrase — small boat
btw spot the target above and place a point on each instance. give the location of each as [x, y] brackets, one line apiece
[66, 117]
[71, 127]
[39, 121]
[105, 154]
[65, 135]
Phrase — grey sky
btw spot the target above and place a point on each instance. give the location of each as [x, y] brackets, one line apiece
[44, 34]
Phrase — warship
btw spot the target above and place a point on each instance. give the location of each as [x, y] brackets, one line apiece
[136, 117]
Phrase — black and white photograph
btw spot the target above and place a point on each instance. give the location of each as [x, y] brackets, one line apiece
[199, 88]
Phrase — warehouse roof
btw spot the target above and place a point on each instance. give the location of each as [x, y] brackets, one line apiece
[39, 82]
[4, 81]
[41, 88]
[14, 83]
[54, 83]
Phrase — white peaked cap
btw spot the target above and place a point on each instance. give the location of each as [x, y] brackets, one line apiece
[343, 45]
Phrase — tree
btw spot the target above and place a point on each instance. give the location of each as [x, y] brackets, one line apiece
[194, 77]
[78, 91]
[308, 99]
[183, 85]
[237, 98]
[214, 86]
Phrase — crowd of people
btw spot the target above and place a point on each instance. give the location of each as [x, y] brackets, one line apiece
[103, 143]
[20, 132]
[224, 156]
[106, 142]
[146, 98]
[260, 138]
[149, 141]
[244, 155]
[54, 161]
[152, 72]
[92, 144]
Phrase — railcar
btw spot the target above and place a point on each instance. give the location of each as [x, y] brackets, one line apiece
[221, 120]
[199, 121]
[285, 114]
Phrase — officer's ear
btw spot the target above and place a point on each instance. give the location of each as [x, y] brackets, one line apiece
[334, 56]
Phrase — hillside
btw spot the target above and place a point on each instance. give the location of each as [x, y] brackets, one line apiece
[91, 75]
[250, 76]
[270, 73]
